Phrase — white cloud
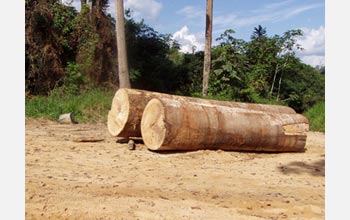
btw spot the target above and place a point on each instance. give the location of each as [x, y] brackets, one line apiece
[270, 13]
[313, 42]
[188, 41]
[191, 12]
[75, 3]
[278, 4]
[111, 8]
[314, 60]
[299, 10]
[148, 9]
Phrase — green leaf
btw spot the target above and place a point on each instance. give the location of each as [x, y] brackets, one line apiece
[218, 71]
[234, 75]
[227, 67]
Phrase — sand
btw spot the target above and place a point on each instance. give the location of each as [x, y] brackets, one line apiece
[79, 172]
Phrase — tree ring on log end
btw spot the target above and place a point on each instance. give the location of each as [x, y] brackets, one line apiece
[153, 128]
[119, 113]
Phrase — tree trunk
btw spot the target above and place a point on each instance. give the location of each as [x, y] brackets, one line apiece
[91, 8]
[123, 71]
[82, 2]
[207, 51]
[274, 79]
[169, 124]
[124, 118]
[279, 87]
[280, 81]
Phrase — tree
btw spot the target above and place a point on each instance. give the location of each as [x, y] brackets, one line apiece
[207, 51]
[229, 67]
[259, 32]
[123, 70]
[48, 42]
[155, 62]
[287, 43]
[95, 35]
[83, 2]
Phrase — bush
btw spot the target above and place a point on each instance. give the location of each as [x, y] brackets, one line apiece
[316, 116]
[73, 81]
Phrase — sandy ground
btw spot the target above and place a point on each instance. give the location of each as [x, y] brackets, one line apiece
[66, 179]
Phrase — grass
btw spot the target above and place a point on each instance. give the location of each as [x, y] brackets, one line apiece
[316, 116]
[93, 106]
[90, 106]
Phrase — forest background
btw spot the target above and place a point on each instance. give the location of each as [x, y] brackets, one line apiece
[71, 64]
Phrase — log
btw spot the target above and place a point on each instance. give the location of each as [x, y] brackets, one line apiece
[67, 118]
[127, 107]
[169, 124]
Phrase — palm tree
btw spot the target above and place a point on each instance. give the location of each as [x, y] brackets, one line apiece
[207, 51]
[259, 32]
[123, 70]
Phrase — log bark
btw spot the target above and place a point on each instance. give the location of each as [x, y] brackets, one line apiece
[169, 124]
[124, 118]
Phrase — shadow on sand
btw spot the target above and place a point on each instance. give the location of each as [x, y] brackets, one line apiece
[316, 168]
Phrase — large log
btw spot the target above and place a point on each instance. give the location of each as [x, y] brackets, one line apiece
[127, 107]
[169, 124]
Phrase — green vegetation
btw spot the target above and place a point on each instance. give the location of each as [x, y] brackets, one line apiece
[71, 64]
[316, 116]
[90, 106]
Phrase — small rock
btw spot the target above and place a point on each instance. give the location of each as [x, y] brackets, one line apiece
[131, 145]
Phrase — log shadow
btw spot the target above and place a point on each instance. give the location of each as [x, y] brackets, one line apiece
[316, 168]
[166, 152]
[261, 152]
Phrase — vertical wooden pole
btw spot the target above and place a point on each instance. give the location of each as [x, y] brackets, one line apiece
[207, 51]
[123, 70]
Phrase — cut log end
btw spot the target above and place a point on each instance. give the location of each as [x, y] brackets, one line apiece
[67, 118]
[153, 124]
[118, 115]
[296, 129]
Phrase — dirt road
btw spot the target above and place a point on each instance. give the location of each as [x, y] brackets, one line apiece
[68, 179]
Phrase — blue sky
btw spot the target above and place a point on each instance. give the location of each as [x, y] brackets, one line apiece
[185, 20]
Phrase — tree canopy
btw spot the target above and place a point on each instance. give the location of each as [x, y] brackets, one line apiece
[70, 49]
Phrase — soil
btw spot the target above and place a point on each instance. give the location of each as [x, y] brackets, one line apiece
[78, 171]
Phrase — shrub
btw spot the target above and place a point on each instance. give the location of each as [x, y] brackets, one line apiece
[316, 116]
